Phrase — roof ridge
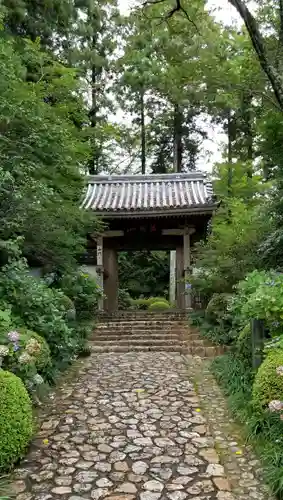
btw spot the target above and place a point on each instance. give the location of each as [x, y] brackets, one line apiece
[196, 175]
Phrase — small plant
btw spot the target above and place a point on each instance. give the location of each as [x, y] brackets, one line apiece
[159, 306]
[16, 420]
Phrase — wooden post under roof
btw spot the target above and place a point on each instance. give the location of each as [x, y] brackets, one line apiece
[99, 268]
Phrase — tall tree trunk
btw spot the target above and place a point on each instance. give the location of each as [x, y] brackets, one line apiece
[177, 143]
[248, 131]
[93, 166]
[257, 40]
[143, 140]
[230, 130]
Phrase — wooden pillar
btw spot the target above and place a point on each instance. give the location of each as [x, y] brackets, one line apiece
[180, 277]
[111, 283]
[187, 264]
[172, 282]
[99, 268]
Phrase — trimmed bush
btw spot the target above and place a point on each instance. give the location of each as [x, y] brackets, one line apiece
[151, 300]
[16, 421]
[268, 384]
[159, 306]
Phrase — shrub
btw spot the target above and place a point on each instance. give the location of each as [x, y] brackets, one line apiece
[84, 291]
[124, 299]
[69, 307]
[42, 356]
[16, 421]
[40, 309]
[151, 300]
[25, 353]
[217, 309]
[244, 344]
[159, 306]
[268, 383]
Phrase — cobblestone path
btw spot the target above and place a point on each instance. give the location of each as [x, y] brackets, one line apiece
[130, 426]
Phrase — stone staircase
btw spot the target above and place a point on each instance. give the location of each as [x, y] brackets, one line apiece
[147, 331]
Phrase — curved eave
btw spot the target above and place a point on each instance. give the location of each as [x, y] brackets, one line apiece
[179, 212]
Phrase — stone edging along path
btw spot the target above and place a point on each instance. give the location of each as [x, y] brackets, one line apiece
[148, 426]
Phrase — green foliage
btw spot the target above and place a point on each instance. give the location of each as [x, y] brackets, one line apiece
[16, 420]
[217, 309]
[231, 250]
[159, 305]
[268, 384]
[263, 429]
[144, 273]
[41, 353]
[40, 309]
[124, 299]
[141, 304]
[84, 291]
[45, 163]
[244, 344]
[152, 300]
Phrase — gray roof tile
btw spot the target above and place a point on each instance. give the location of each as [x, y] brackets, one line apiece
[148, 193]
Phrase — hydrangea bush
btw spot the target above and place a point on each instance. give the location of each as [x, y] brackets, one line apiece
[41, 309]
[20, 355]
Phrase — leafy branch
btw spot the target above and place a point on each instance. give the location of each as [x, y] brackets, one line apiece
[177, 8]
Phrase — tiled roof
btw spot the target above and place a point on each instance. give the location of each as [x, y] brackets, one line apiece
[169, 193]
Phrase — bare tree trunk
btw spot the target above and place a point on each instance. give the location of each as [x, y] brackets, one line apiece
[257, 40]
[143, 142]
[177, 143]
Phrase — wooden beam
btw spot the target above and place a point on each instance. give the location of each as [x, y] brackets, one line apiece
[177, 232]
[113, 234]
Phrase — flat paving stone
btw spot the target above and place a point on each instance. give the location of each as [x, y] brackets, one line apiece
[131, 426]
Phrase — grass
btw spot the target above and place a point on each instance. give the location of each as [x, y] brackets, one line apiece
[5, 488]
[263, 429]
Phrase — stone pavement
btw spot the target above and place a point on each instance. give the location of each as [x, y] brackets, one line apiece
[132, 426]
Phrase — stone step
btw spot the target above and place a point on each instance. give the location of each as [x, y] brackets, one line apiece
[140, 342]
[151, 323]
[141, 326]
[147, 334]
[139, 348]
[134, 336]
[168, 312]
[143, 318]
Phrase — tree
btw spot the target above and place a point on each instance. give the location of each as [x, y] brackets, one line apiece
[93, 45]
[271, 64]
[40, 152]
